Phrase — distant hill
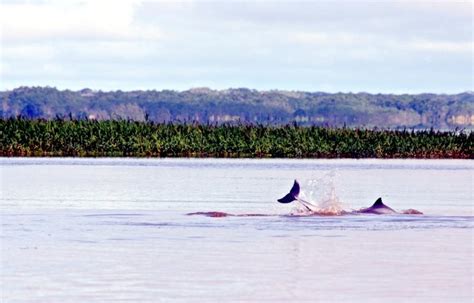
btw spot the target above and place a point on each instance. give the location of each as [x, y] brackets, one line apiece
[241, 105]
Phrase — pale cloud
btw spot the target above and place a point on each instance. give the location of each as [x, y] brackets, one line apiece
[40, 51]
[442, 46]
[312, 45]
[356, 41]
[324, 38]
[76, 20]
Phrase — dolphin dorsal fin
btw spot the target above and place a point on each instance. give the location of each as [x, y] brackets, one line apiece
[378, 203]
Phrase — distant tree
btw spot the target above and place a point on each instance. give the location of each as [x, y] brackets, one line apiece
[31, 111]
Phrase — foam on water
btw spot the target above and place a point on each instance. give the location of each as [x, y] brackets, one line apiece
[320, 193]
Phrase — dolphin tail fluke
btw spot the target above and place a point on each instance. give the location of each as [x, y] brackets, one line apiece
[292, 195]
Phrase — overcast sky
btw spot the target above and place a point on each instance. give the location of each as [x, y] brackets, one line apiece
[374, 46]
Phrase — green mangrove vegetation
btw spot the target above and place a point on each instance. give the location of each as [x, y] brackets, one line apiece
[119, 138]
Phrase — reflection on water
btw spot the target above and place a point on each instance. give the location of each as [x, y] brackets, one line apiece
[77, 230]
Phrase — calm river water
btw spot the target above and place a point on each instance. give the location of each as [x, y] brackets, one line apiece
[117, 230]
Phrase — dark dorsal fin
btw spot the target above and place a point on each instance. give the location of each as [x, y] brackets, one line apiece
[378, 203]
[292, 195]
[378, 208]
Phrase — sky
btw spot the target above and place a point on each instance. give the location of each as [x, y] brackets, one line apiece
[404, 46]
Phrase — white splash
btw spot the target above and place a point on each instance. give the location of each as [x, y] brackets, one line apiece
[320, 196]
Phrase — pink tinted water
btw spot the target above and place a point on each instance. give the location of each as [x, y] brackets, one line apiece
[117, 231]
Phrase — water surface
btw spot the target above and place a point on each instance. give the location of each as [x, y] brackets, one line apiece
[111, 230]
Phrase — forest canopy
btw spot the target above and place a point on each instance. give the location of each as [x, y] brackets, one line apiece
[242, 105]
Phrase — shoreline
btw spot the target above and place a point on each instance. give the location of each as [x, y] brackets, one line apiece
[108, 156]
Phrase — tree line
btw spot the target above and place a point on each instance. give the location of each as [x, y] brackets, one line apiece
[234, 106]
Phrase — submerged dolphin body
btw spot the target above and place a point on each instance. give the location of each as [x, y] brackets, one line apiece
[378, 208]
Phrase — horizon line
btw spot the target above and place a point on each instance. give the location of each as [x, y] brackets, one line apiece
[203, 88]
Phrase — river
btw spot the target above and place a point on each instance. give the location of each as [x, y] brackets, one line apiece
[119, 230]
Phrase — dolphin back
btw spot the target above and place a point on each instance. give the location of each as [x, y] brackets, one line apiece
[378, 208]
[292, 195]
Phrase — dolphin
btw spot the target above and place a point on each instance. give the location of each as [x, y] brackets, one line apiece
[293, 195]
[378, 208]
